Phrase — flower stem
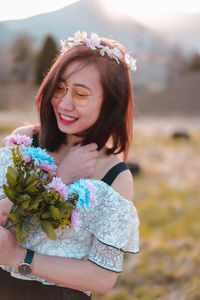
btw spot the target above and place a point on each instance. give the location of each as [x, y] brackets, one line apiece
[11, 225]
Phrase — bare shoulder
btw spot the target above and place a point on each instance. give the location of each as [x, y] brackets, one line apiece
[24, 130]
[123, 183]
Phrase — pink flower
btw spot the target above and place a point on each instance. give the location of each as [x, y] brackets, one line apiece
[27, 158]
[90, 187]
[48, 168]
[18, 140]
[59, 186]
[75, 219]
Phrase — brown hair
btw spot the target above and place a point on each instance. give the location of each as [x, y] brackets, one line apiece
[116, 116]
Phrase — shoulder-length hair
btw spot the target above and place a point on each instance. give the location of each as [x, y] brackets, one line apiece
[116, 116]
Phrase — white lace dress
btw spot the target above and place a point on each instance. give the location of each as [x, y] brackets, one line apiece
[110, 227]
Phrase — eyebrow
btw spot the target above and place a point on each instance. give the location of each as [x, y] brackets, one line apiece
[77, 84]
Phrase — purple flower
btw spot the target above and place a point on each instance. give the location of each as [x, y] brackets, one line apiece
[59, 186]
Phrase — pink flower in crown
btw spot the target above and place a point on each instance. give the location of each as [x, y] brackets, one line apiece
[131, 62]
[59, 186]
[18, 140]
[80, 37]
[75, 219]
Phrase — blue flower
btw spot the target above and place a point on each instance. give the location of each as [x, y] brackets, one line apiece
[40, 156]
[83, 192]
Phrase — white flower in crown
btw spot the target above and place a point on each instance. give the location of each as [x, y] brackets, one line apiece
[93, 42]
[80, 37]
[112, 53]
[131, 62]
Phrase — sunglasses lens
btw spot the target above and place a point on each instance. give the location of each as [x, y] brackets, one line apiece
[60, 90]
[80, 96]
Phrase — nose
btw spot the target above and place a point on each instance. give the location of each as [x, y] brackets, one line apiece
[66, 102]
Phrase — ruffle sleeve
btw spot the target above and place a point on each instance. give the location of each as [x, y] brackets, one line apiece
[5, 155]
[114, 222]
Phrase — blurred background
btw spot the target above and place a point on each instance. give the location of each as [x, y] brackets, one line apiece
[164, 158]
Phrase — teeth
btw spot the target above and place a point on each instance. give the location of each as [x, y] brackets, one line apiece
[68, 118]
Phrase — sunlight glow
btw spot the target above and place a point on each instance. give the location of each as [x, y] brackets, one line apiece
[143, 8]
[20, 9]
[140, 9]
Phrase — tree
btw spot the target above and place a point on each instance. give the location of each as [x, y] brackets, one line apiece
[45, 58]
[23, 55]
[195, 63]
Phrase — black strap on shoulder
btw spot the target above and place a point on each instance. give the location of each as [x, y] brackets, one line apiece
[113, 172]
[35, 142]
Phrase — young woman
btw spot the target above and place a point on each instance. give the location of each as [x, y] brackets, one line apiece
[86, 113]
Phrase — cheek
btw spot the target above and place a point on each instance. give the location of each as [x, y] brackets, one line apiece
[54, 103]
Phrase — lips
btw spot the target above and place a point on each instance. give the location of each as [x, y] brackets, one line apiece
[67, 119]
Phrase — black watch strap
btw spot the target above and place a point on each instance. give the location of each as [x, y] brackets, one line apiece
[29, 256]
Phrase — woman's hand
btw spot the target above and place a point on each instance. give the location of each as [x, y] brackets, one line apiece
[11, 253]
[79, 163]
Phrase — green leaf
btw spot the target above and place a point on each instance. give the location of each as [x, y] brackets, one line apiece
[54, 212]
[49, 230]
[20, 211]
[31, 179]
[23, 197]
[22, 231]
[24, 200]
[34, 220]
[69, 207]
[11, 176]
[35, 203]
[9, 192]
[13, 217]
[31, 189]
[46, 215]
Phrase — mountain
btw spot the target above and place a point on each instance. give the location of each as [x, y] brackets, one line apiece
[84, 15]
[88, 15]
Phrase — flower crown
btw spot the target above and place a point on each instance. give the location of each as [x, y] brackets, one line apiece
[94, 42]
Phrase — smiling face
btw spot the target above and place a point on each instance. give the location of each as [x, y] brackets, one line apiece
[73, 118]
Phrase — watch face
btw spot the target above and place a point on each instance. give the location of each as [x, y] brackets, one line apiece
[24, 269]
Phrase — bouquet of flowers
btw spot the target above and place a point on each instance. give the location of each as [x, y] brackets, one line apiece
[38, 196]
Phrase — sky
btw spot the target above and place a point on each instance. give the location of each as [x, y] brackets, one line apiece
[141, 9]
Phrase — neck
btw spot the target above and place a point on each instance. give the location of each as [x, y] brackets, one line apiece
[72, 140]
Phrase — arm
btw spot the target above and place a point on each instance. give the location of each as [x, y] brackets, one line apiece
[72, 273]
[5, 206]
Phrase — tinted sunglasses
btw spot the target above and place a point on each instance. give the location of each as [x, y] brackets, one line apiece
[79, 94]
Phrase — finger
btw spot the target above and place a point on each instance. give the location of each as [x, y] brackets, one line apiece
[93, 155]
[90, 147]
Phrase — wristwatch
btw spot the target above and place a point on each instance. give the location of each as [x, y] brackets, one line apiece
[25, 268]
